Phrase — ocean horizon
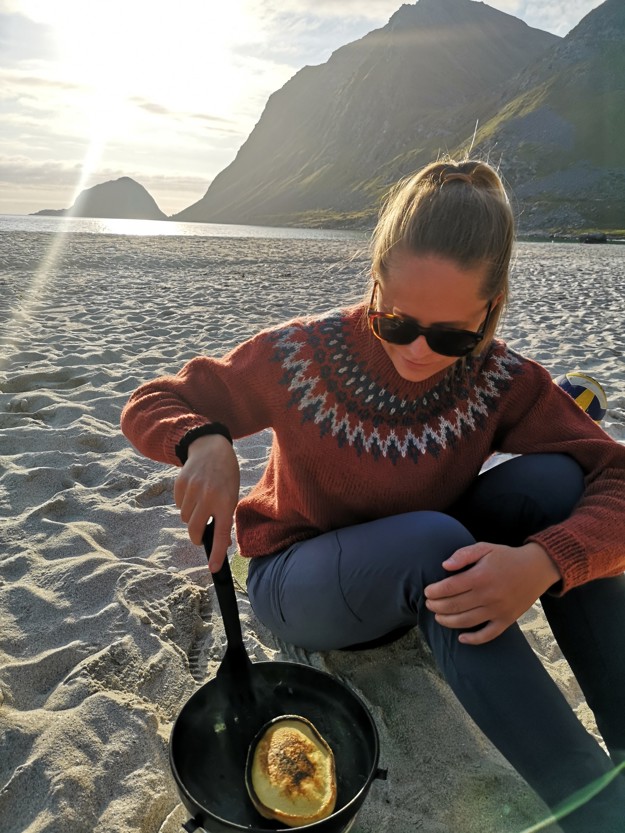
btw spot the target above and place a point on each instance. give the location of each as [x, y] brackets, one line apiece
[166, 228]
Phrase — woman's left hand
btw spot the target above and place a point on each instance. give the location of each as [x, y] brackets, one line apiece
[501, 584]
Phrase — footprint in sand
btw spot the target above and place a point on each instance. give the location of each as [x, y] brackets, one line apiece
[167, 602]
[55, 380]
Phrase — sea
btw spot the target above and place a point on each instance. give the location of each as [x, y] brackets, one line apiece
[162, 228]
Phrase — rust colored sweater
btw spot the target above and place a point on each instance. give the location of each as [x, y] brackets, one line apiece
[353, 441]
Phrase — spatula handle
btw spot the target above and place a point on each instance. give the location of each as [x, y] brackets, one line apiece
[226, 596]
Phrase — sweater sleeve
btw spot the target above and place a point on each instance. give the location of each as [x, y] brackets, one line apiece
[541, 418]
[233, 390]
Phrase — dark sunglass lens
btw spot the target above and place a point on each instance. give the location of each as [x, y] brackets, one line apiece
[402, 331]
[451, 344]
[396, 330]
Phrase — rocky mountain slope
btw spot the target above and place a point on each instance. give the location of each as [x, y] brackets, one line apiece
[549, 111]
[558, 129]
[337, 134]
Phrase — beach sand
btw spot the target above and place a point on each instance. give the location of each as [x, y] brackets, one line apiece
[108, 621]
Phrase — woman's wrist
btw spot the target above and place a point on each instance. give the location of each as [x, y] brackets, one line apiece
[205, 443]
[542, 562]
[210, 429]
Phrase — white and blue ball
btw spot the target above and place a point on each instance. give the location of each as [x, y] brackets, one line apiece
[586, 391]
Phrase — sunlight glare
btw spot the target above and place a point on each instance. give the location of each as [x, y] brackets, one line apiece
[179, 55]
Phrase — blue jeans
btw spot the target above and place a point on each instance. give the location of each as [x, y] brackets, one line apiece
[358, 584]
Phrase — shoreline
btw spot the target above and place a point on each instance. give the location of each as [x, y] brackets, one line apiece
[583, 235]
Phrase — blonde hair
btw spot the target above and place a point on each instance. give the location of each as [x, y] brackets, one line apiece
[455, 210]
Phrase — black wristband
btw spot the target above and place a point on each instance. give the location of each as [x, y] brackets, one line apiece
[182, 449]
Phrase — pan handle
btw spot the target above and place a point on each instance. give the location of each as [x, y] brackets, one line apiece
[191, 826]
[226, 596]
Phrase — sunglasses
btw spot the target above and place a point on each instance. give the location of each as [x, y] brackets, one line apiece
[400, 329]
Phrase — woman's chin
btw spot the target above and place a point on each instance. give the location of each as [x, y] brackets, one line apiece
[420, 371]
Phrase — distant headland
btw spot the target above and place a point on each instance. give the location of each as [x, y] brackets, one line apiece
[121, 198]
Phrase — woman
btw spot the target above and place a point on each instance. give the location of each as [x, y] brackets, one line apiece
[372, 516]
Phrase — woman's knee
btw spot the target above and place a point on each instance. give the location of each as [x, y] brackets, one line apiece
[405, 550]
[557, 477]
[437, 537]
[521, 497]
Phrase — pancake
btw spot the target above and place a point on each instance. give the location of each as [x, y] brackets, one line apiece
[290, 774]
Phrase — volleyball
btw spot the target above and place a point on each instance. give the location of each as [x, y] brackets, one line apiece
[586, 391]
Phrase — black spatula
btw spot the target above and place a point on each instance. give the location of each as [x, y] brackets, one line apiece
[236, 665]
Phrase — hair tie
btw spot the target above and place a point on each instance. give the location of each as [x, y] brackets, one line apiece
[449, 175]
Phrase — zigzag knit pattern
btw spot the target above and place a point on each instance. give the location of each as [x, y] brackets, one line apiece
[333, 388]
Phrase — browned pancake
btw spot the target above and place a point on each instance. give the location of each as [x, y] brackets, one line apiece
[290, 773]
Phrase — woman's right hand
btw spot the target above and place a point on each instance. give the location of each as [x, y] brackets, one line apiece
[208, 486]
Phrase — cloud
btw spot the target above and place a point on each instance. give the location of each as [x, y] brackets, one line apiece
[23, 82]
[22, 39]
[218, 123]
[327, 21]
[25, 172]
[19, 170]
[162, 182]
[35, 95]
[557, 16]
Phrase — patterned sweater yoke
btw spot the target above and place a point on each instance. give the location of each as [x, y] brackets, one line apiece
[347, 385]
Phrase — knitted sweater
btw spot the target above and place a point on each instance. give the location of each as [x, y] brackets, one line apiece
[354, 441]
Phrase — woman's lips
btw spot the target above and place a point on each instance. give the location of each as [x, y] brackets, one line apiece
[417, 365]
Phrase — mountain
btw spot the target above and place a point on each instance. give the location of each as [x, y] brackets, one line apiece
[558, 129]
[336, 135]
[120, 198]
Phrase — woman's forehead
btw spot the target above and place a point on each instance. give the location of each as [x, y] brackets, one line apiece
[434, 287]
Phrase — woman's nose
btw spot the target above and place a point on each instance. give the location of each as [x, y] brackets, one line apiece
[418, 348]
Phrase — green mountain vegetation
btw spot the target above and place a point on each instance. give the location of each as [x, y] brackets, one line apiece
[557, 130]
[549, 111]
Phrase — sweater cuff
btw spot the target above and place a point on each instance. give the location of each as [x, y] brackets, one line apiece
[567, 553]
[182, 449]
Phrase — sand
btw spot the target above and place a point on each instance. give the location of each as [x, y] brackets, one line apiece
[108, 620]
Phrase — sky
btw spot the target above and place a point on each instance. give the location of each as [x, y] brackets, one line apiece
[164, 91]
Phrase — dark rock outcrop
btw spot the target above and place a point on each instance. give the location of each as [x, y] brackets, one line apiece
[557, 129]
[120, 198]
